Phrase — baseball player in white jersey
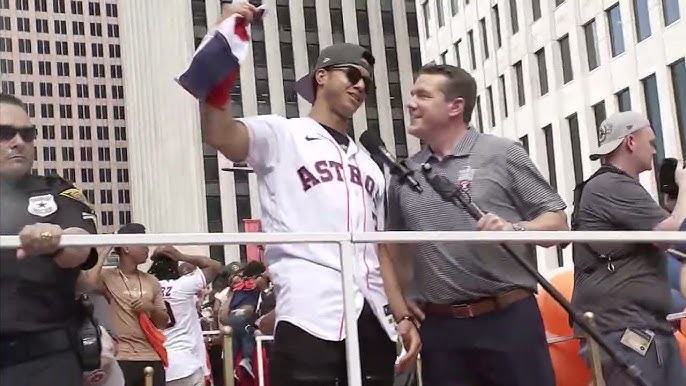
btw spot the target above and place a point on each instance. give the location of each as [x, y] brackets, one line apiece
[187, 357]
[314, 178]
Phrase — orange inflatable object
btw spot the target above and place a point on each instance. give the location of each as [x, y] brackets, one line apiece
[681, 340]
[570, 369]
[555, 318]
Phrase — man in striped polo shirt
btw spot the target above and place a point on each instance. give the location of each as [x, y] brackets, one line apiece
[480, 321]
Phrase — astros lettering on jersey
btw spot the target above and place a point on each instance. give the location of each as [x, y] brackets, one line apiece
[309, 183]
[183, 331]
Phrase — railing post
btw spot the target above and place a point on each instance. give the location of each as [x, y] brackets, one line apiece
[260, 361]
[594, 350]
[352, 346]
[227, 350]
[148, 372]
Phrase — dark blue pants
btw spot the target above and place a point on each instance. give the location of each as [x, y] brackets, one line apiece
[661, 366]
[502, 348]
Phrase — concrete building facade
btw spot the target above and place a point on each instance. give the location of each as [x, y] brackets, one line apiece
[63, 59]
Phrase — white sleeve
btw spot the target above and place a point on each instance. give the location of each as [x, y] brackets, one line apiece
[268, 137]
[192, 283]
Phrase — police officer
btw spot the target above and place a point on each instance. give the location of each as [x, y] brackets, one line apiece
[38, 310]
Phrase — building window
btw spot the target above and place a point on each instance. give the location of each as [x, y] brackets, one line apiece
[573, 123]
[542, 71]
[49, 153]
[513, 16]
[599, 115]
[48, 132]
[652, 102]
[624, 100]
[519, 75]
[479, 115]
[591, 49]
[670, 11]
[454, 7]
[491, 107]
[87, 176]
[472, 51]
[525, 143]
[642, 17]
[484, 37]
[503, 95]
[536, 9]
[678, 70]
[565, 54]
[67, 154]
[614, 20]
[427, 15]
[550, 155]
[495, 14]
[456, 47]
[439, 13]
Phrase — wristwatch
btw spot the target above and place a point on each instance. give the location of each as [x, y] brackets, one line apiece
[517, 226]
[411, 319]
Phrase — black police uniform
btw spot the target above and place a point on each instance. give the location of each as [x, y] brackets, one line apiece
[38, 310]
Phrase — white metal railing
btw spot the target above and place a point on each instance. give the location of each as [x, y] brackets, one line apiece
[346, 242]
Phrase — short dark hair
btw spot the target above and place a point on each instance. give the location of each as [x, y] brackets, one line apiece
[12, 100]
[458, 85]
[164, 267]
[254, 269]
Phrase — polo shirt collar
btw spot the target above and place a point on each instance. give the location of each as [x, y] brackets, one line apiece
[463, 147]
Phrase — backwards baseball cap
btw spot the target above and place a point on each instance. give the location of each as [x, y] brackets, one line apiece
[614, 129]
[335, 55]
[131, 228]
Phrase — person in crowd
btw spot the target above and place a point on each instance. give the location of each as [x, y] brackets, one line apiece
[473, 294]
[626, 285]
[239, 312]
[38, 279]
[138, 312]
[301, 164]
[109, 373]
[184, 340]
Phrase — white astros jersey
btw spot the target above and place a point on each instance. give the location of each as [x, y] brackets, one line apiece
[309, 183]
[183, 330]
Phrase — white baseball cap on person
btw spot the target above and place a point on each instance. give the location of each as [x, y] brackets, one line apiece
[615, 128]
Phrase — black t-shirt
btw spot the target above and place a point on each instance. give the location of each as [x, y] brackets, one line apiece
[637, 293]
[340, 138]
[35, 293]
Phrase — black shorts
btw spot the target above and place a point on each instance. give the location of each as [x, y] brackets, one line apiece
[134, 374]
[301, 359]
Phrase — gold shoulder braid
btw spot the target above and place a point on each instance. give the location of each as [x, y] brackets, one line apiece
[76, 194]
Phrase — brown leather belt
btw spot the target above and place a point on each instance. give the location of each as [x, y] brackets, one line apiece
[479, 307]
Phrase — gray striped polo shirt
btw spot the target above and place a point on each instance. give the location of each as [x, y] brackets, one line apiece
[500, 178]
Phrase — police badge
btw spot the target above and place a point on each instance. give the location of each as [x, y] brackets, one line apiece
[43, 205]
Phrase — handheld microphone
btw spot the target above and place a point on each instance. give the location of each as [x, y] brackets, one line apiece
[449, 192]
[376, 148]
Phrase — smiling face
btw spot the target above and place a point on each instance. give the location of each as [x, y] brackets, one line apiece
[16, 141]
[344, 87]
[431, 110]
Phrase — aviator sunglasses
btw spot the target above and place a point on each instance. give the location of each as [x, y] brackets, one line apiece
[354, 75]
[27, 133]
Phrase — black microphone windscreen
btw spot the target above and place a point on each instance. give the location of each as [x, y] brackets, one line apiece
[371, 141]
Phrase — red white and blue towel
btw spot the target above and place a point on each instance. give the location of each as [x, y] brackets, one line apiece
[215, 64]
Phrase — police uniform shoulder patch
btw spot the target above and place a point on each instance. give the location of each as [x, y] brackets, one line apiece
[77, 195]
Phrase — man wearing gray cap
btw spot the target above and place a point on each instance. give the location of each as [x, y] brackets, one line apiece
[314, 178]
[625, 285]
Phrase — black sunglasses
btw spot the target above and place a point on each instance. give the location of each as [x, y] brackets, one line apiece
[27, 133]
[354, 75]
